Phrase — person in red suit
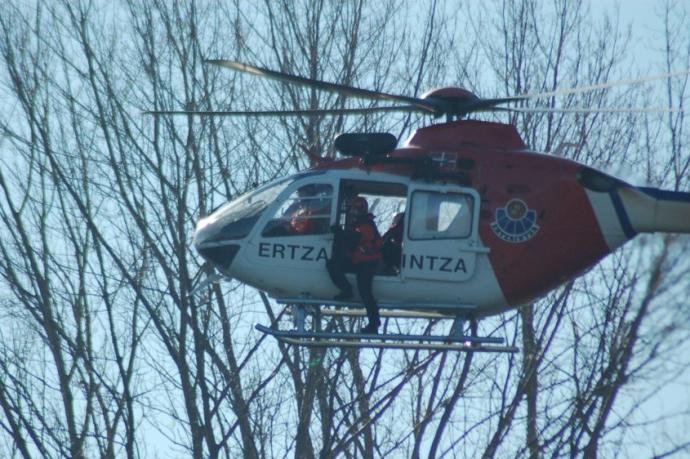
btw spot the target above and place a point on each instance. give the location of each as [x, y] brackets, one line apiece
[357, 249]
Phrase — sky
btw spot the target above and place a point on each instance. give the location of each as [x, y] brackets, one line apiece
[646, 25]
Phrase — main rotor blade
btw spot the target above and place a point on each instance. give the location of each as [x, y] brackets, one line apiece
[592, 110]
[334, 111]
[605, 85]
[333, 87]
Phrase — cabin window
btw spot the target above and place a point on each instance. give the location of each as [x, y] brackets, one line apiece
[307, 211]
[440, 215]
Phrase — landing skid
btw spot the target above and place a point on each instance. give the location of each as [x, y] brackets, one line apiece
[443, 311]
[456, 340]
[388, 341]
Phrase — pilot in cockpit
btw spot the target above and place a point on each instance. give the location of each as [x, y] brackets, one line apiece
[311, 212]
[305, 212]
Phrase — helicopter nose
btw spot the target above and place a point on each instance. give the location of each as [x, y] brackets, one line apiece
[209, 242]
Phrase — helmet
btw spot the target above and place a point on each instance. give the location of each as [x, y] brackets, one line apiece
[359, 205]
[314, 189]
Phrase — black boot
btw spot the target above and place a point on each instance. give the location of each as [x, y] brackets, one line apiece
[372, 328]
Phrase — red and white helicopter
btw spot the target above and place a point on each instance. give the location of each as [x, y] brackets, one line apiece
[488, 224]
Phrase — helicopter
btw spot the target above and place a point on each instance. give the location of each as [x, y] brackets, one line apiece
[489, 225]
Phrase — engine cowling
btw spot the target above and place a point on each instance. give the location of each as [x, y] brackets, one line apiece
[365, 144]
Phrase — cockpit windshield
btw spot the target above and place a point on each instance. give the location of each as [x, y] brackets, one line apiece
[237, 218]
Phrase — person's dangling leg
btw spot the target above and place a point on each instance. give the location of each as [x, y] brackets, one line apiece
[365, 278]
[336, 267]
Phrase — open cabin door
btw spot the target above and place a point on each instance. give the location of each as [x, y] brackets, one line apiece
[441, 233]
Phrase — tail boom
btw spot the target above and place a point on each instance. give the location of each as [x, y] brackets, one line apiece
[624, 211]
[652, 210]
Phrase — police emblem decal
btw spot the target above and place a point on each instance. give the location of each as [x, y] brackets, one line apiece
[515, 222]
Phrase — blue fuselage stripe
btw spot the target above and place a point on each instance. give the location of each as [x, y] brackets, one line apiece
[622, 215]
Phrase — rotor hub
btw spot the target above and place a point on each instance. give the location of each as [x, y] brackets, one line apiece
[450, 93]
[451, 101]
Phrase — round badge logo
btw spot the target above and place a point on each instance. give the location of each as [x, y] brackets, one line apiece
[515, 222]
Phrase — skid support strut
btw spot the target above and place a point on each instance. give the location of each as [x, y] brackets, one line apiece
[456, 330]
[299, 315]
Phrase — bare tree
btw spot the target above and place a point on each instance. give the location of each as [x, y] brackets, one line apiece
[104, 344]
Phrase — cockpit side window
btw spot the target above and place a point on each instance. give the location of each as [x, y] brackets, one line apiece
[440, 215]
[236, 219]
[307, 211]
